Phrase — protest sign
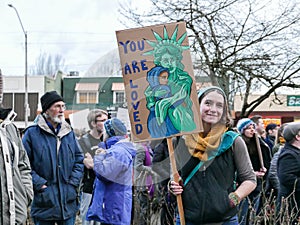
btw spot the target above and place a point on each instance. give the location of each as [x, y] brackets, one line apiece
[159, 81]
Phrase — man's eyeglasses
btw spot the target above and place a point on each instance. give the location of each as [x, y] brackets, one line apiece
[58, 107]
[103, 120]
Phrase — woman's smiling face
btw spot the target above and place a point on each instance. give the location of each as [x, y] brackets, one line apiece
[212, 107]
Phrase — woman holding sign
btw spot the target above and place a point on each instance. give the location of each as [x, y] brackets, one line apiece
[209, 162]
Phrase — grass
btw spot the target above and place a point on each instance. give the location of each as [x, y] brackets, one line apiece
[267, 215]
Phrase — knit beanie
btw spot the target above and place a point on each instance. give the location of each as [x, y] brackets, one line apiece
[49, 98]
[209, 89]
[270, 126]
[115, 127]
[291, 130]
[243, 124]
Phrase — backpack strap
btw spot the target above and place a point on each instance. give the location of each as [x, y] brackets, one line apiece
[197, 167]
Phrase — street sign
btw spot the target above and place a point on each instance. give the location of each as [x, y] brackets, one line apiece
[293, 100]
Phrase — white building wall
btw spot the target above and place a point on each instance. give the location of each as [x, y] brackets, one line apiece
[16, 84]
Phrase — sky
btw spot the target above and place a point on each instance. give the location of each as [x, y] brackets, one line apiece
[81, 31]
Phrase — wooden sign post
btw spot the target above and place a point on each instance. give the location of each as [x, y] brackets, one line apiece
[176, 179]
[261, 160]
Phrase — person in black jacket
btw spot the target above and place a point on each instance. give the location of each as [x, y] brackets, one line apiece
[271, 133]
[208, 162]
[289, 172]
[273, 181]
[247, 129]
[89, 144]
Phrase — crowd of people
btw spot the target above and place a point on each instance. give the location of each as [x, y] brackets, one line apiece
[226, 171]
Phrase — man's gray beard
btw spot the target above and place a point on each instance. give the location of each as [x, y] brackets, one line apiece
[55, 119]
[58, 120]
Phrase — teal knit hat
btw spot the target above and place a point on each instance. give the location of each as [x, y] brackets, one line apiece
[205, 90]
[243, 124]
[115, 127]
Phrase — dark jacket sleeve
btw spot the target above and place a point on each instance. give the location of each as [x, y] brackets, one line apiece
[161, 161]
[37, 180]
[288, 168]
[273, 178]
[77, 171]
[266, 154]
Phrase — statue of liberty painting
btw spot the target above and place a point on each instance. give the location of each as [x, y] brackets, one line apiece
[168, 93]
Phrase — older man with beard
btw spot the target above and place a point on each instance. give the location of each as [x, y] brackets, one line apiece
[57, 164]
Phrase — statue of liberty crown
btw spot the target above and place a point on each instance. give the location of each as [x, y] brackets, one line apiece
[165, 40]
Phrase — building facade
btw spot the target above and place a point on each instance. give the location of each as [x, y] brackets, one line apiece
[108, 93]
[288, 111]
[14, 94]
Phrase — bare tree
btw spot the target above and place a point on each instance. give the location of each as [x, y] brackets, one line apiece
[47, 64]
[241, 45]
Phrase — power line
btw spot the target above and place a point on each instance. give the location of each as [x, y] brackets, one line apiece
[62, 42]
[58, 32]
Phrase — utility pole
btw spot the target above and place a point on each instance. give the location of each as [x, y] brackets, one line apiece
[26, 106]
